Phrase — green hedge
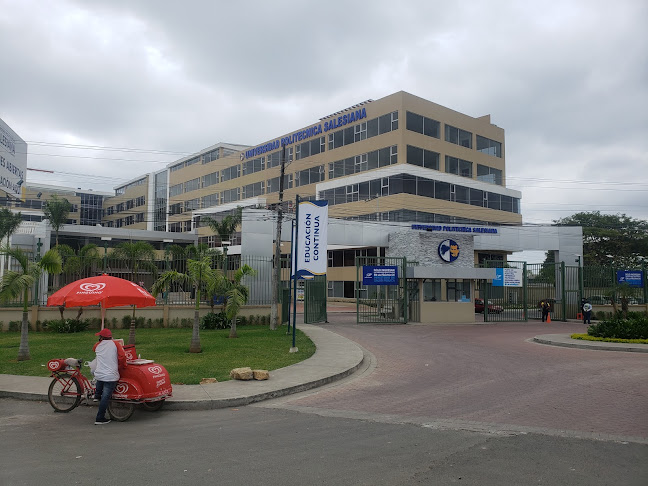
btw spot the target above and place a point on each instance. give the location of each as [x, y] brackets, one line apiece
[634, 327]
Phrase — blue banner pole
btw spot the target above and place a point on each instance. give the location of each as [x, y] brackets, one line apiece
[296, 260]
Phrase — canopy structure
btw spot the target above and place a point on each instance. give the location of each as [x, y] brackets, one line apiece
[103, 290]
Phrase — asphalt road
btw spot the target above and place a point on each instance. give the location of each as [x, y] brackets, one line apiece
[463, 404]
[259, 445]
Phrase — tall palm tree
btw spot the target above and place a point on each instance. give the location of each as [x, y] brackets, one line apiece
[139, 255]
[200, 275]
[236, 296]
[57, 211]
[15, 283]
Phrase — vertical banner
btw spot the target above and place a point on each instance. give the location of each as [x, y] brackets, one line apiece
[312, 231]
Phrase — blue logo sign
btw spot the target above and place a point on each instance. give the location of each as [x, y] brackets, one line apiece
[634, 278]
[382, 275]
[449, 250]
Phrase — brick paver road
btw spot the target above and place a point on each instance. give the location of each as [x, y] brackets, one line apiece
[490, 373]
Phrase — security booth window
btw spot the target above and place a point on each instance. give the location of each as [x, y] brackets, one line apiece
[458, 290]
[431, 290]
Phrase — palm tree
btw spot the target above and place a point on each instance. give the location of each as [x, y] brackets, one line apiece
[200, 275]
[15, 283]
[9, 222]
[236, 296]
[226, 227]
[137, 255]
[78, 263]
[57, 211]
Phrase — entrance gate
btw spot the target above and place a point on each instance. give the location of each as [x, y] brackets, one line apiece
[555, 283]
[382, 303]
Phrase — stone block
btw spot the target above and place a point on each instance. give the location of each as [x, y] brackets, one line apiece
[261, 374]
[242, 373]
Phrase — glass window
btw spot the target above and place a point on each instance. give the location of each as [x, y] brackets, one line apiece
[458, 290]
[442, 190]
[409, 184]
[462, 194]
[425, 187]
[431, 290]
[494, 200]
[414, 122]
[384, 157]
[372, 128]
[414, 154]
[431, 128]
[348, 135]
[476, 197]
[458, 136]
[488, 146]
[431, 160]
[385, 123]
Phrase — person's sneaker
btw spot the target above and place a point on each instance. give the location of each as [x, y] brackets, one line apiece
[102, 421]
[95, 399]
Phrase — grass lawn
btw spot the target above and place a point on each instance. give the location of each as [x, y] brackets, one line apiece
[256, 347]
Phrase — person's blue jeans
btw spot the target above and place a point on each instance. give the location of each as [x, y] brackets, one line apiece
[104, 390]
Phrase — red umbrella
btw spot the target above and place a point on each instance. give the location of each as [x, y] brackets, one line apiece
[104, 290]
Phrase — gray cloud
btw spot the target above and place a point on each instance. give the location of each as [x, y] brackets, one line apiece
[567, 80]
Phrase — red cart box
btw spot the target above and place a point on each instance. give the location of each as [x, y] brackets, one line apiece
[143, 380]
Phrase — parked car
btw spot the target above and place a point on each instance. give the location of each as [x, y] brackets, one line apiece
[492, 308]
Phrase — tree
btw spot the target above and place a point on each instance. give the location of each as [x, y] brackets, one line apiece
[227, 226]
[57, 211]
[14, 283]
[611, 239]
[137, 255]
[236, 296]
[9, 222]
[200, 275]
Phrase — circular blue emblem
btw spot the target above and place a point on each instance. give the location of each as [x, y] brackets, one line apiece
[449, 250]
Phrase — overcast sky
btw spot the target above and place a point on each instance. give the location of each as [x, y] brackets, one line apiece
[567, 80]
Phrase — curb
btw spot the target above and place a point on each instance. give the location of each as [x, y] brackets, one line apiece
[564, 340]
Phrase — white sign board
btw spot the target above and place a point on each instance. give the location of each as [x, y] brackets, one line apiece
[508, 277]
[13, 161]
[312, 231]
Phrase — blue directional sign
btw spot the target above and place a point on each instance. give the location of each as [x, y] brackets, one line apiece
[634, 278]
[380, 275]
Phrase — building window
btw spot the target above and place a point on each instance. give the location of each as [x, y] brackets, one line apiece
[210, 179]
[309, 176]
[489, 174]
[488, 146]
[422, 158]
[252, 166]
[192, 185]
[175, 190]
[231, 173]
[457, 166]
[175, 208]
[458, 290]
[253, 190]
[273, 184]
[192, 204]
[209, 156]
[431, 290]
[423, 125]
[209, 201]
[230, 195]
[458, 136]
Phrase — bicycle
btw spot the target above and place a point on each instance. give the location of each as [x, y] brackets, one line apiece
[69, 386]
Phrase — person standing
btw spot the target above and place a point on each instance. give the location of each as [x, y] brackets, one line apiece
[110, 359]
[587, 313]
[545, 310]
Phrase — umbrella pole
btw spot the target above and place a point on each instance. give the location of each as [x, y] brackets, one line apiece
[103, 315]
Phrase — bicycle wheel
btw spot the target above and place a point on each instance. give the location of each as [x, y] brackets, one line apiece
[64, 393]
[120, 410]
[152, 406]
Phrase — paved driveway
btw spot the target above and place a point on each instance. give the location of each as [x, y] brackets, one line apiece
[492, 374]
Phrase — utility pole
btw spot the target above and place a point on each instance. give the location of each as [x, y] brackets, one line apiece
[275, 310]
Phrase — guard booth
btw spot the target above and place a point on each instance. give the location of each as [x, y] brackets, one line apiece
[381, 290]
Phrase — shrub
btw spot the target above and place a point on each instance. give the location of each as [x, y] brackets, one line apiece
[634, 327]
[15, 325]
[66, 325]
[242, 320]
[214, 321]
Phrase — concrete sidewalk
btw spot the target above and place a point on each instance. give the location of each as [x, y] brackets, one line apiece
[566, 341]
[335, 358]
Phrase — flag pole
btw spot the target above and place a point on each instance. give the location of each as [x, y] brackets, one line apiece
[294, 349]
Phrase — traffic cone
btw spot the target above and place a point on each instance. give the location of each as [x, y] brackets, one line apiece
[548, 317]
